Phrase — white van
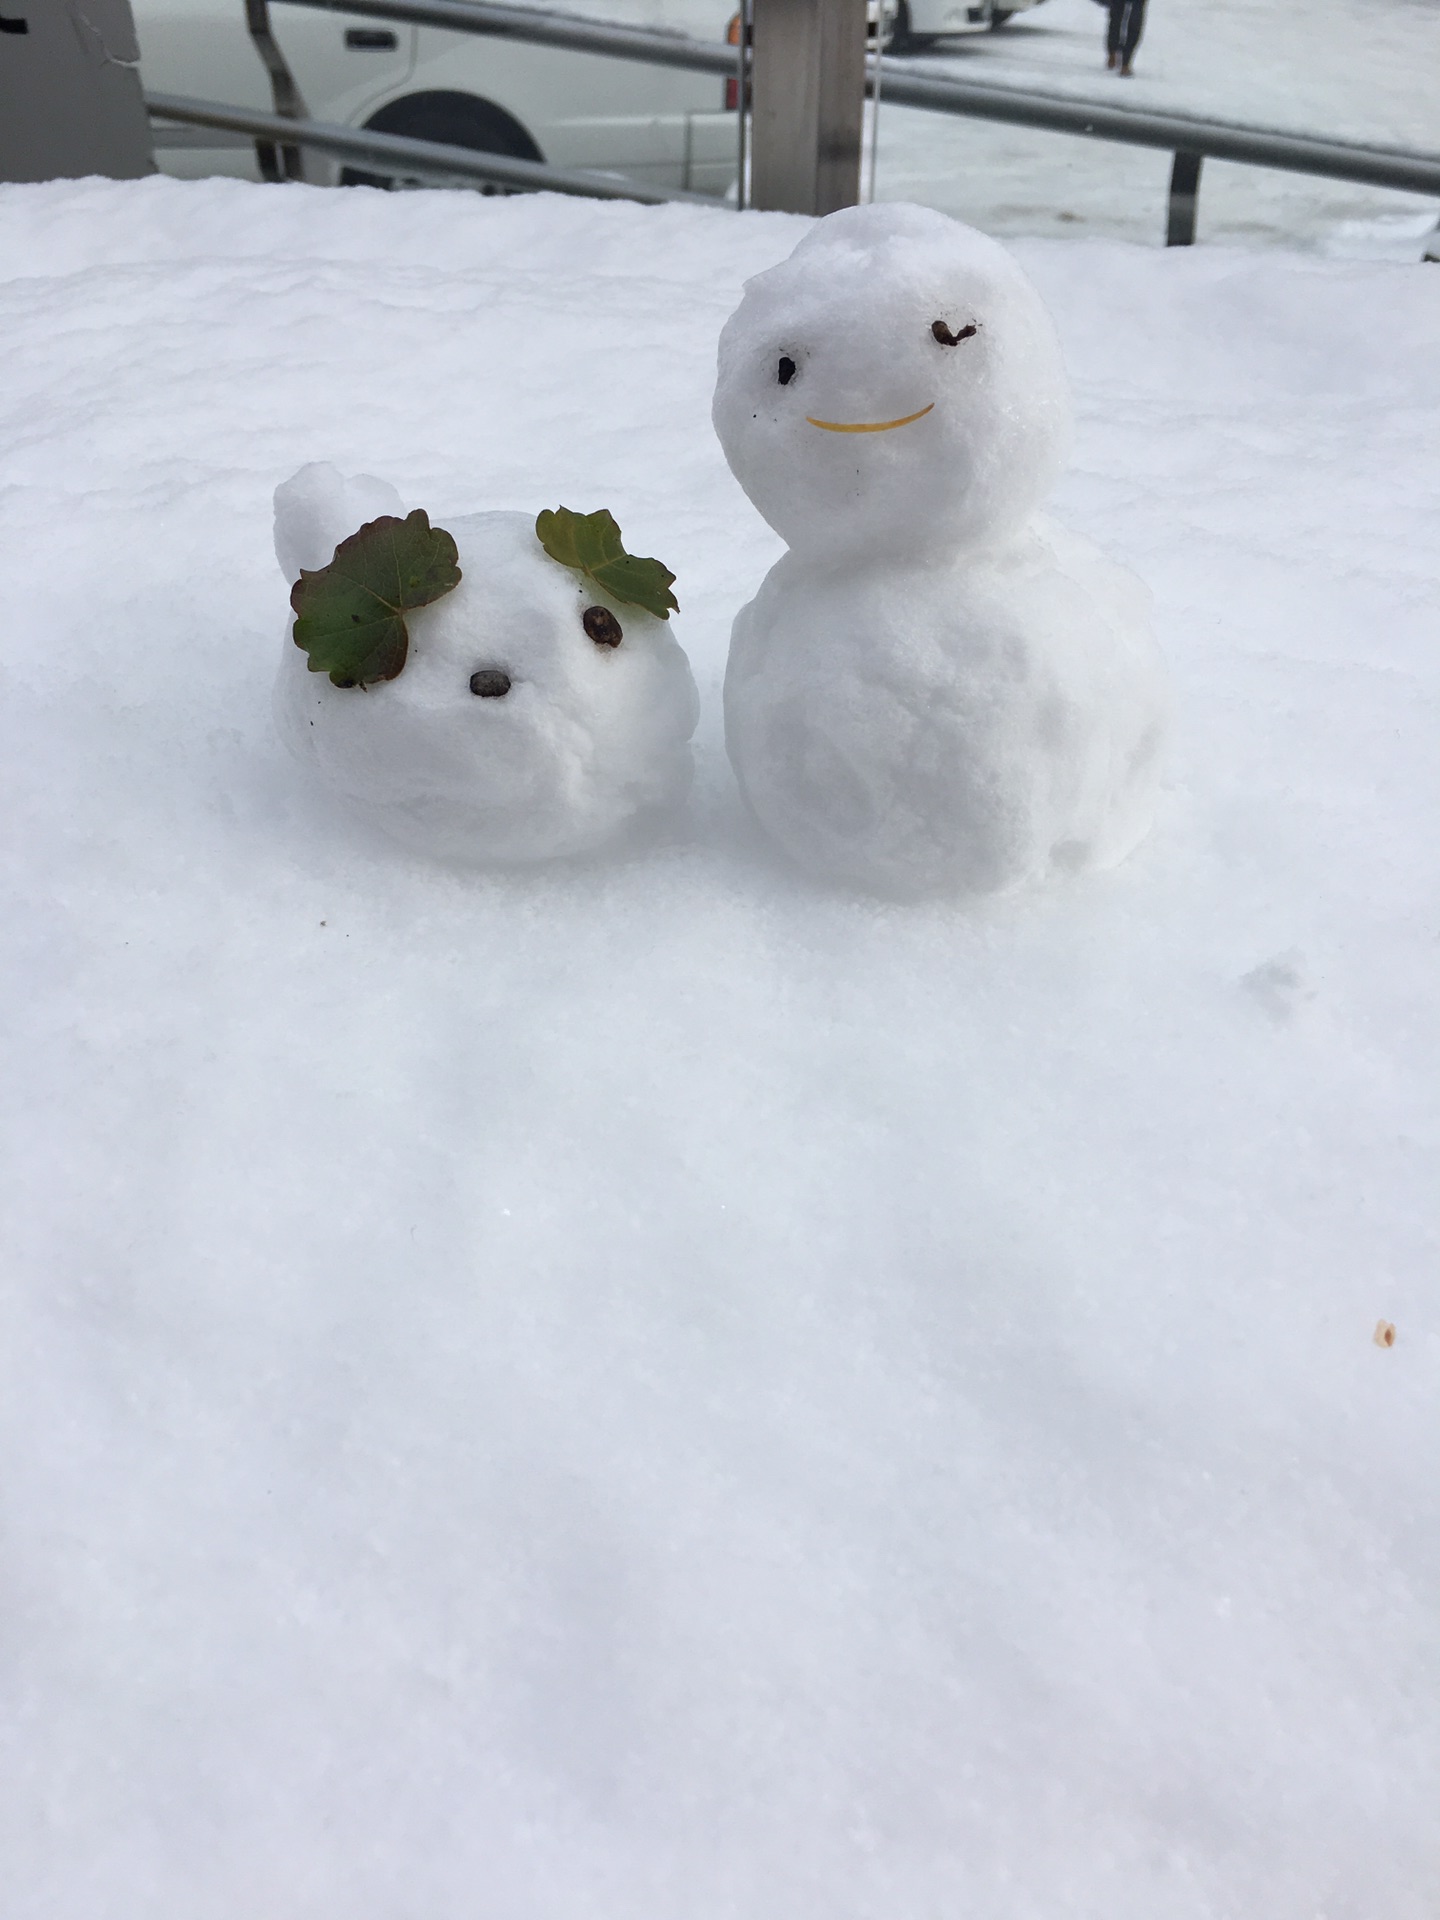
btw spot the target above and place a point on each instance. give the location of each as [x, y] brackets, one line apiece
[658, 125]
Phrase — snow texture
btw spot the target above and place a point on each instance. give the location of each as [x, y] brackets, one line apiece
[587, 745]
[655, 1388]
[934, 689]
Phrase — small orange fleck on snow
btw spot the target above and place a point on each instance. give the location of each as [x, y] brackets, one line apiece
[1384, 1333]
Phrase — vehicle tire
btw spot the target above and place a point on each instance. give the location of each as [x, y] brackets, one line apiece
[457, 119]
[903, 39]
[999, 17]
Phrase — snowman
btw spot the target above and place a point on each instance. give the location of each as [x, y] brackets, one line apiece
[502, 689]
[936, 689]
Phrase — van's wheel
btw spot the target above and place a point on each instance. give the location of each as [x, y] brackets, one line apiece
[457, 119]
[999, 17]
[903, 38]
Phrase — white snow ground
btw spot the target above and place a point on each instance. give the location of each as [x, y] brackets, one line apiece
[659, 1389]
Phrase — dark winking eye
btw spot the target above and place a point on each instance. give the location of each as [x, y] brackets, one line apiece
[948, 339]
[785, 372]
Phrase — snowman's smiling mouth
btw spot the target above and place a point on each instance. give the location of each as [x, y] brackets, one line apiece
[868, 426]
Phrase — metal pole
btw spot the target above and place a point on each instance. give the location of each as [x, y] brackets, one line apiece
[1184, 197]
[283, 91]
[746, 18]
[873, 87]
[808, 83]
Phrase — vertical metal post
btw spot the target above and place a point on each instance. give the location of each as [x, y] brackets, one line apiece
[283, 91]
[809, 92]
[875, 65]
[743, 102]
[1184, 195]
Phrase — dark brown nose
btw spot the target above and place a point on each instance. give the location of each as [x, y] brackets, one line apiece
[490, 683]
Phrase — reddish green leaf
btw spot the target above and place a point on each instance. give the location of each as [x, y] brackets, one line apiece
[350, 616]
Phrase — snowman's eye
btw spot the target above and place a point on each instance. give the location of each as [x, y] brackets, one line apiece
[785, 372]
[948, 339]
[602, 626]
[490, 683]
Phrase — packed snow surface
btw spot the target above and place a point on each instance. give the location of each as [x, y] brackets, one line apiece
[934, 689]
[655, 1387]
[510, 733]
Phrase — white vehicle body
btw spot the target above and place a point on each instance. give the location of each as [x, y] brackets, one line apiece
[930, 19]
[658, 125]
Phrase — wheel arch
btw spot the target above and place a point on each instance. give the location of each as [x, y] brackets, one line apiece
[457, 119]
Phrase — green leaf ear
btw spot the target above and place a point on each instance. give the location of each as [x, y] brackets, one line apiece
[590, 544]
[350, 616]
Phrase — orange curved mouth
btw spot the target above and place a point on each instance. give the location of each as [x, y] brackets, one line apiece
[870, 426]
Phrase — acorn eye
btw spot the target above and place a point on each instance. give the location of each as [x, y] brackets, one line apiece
[948, 339]
[490, 683]
[602, 626]
[785, 372]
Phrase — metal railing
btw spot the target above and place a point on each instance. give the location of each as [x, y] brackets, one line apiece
[394, 155]
[1190, 138]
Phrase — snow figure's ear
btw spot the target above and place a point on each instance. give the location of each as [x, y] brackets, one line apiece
[318, 508]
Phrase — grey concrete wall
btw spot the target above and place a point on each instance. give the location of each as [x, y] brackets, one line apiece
[70, 100]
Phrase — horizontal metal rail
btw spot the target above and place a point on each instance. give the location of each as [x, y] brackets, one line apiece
[1174, 132]
[974, 99]
[391, 153]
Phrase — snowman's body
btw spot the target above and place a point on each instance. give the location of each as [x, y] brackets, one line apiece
[586, 745]
[936, 688]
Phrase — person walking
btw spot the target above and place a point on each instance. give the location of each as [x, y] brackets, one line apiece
[1122, 34]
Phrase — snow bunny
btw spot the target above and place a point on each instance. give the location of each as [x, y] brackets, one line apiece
[499, 690]
[935, 689]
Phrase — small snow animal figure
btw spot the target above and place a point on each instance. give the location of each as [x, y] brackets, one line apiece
[534, 714]
[936, 689]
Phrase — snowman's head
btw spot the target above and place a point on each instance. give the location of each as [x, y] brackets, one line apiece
[895, 386]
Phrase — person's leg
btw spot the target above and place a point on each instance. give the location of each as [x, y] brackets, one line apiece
[1134, 27]
[1114, 31]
